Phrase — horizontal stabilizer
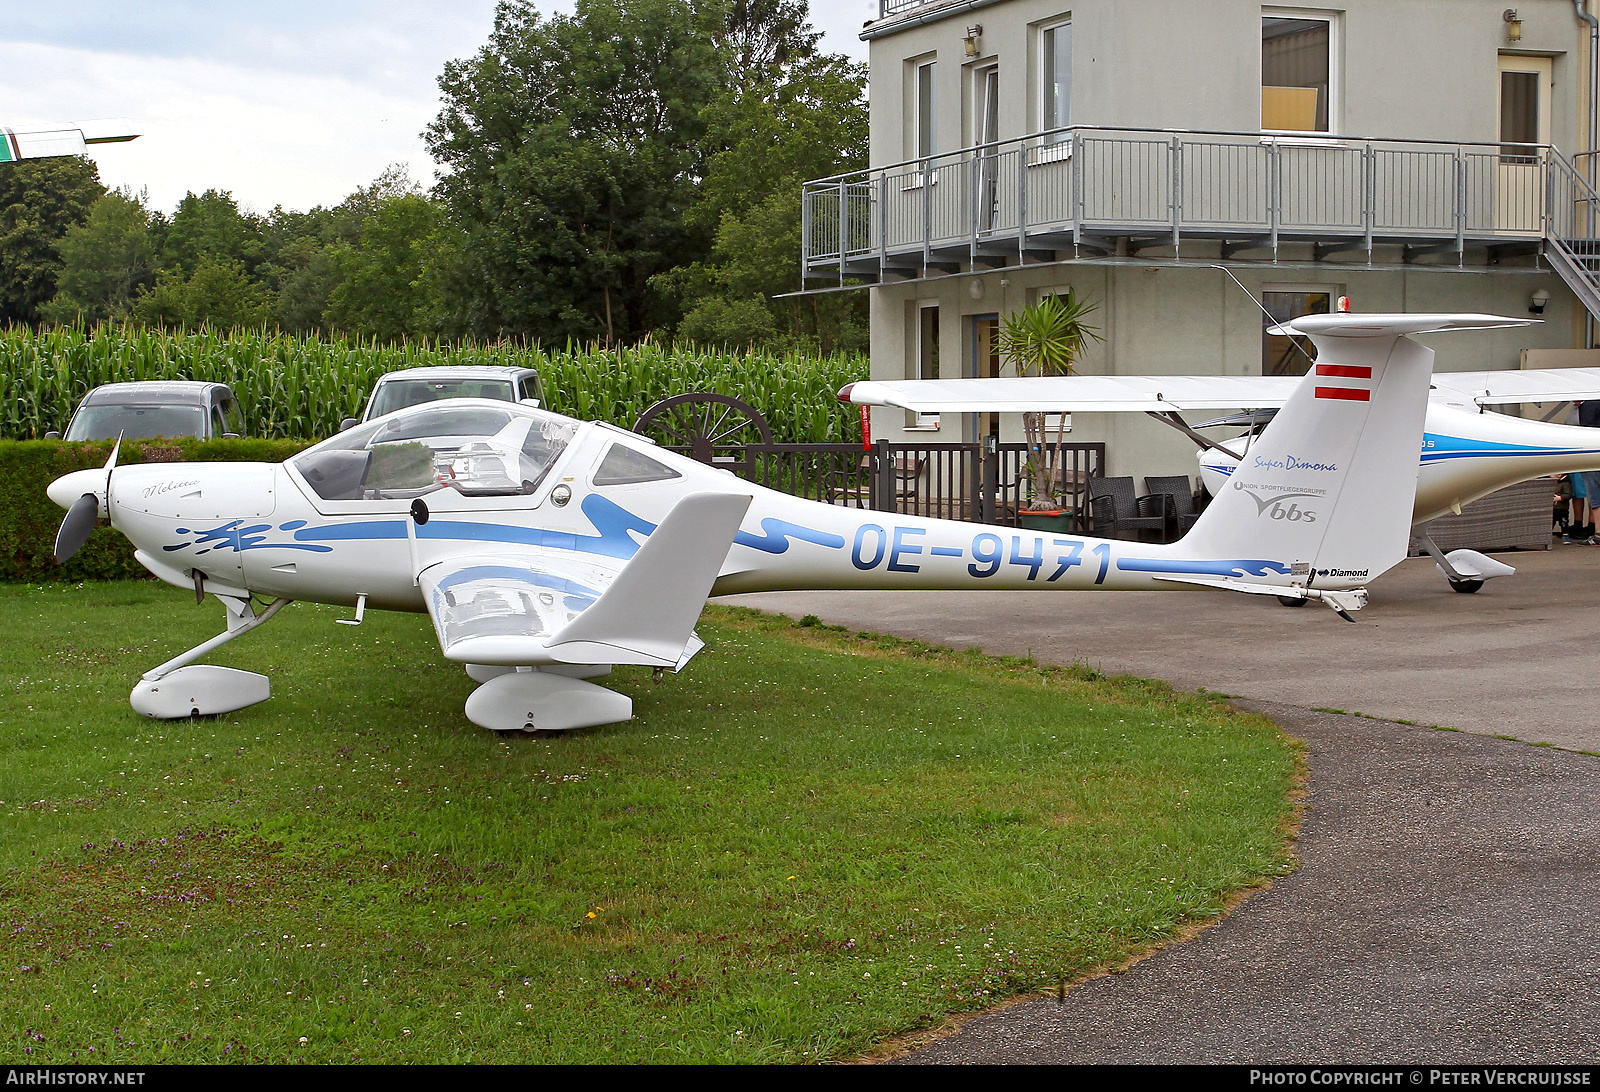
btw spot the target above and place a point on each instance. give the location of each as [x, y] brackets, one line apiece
[1342, 602]
[648, 613]
[1394, 324]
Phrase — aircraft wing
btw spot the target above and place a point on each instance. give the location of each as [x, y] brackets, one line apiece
[1160, 393]
[71, 138]
[1085, 393]
[1533, 385]
[541, 605]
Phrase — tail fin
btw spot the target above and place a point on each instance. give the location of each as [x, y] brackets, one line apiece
[1329, 487]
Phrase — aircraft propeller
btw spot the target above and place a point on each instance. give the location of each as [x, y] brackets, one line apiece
[81, 517]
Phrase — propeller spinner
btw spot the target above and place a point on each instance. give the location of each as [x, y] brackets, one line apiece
[81, 517]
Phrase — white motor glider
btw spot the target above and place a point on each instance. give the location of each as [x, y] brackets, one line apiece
[547, 549]
[1466, 453]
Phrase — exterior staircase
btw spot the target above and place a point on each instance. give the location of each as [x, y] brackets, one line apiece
[1572, 232]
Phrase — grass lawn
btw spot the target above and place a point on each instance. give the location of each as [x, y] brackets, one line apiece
[807, 842]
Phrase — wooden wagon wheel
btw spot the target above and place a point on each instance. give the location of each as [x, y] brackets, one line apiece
[713, 428]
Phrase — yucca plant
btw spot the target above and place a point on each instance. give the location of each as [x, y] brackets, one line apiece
[1046, 338]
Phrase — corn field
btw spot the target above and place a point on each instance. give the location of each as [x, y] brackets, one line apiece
[301, 388]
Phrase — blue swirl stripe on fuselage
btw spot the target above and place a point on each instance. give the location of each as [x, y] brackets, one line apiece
[776, 533]
[1202, 568]
[1438, 448]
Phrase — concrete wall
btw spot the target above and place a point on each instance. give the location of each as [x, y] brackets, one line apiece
[1425, 69]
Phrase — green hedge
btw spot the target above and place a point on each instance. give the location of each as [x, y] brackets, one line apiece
[29, 519]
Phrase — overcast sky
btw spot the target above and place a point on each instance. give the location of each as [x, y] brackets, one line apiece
[294, 102]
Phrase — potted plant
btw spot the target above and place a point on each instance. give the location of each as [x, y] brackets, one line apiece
[1046, 338]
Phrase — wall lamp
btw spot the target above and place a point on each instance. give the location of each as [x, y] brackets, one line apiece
[973, 34]
[1538, 301]
[1513, 25]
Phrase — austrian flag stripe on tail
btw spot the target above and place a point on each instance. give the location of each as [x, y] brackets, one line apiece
[1344, 371]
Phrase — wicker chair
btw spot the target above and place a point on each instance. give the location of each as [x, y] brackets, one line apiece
[1179, 504]
[1115, 512]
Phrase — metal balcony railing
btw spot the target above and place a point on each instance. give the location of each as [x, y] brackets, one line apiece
[1078, 188]
[887, 8]
[1572, 232]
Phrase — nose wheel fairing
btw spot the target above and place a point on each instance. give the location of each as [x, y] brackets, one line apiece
[199, 690]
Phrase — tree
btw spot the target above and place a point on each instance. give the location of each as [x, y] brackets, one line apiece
[219, 294]
[787, 114]
[379, 289]
[300, 267]
[39, 200]
[759, 39]
[573, 146]
[106, 261]
[211, 227]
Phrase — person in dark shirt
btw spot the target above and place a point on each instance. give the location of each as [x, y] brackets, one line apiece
[1587, 484]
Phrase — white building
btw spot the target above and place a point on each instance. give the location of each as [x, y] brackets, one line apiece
[1413, 155]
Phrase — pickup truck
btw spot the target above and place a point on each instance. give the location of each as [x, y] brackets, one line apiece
[414, 386]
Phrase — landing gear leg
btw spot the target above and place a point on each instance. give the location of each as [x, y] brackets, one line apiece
[174, 690]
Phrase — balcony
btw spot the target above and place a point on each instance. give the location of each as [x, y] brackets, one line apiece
[887, 8]
[1092, 191]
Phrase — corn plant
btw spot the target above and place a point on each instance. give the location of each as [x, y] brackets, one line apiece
[301, 388]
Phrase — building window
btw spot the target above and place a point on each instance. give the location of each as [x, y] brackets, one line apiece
[1055, 78]
[1282, 355]
[1519, 116]
[926, 110]
[1296, 73]
[926, 365]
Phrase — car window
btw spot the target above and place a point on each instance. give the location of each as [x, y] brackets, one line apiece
[136, 422]
[396, 394]
[233, 417]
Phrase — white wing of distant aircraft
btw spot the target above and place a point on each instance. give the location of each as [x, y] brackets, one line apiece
[546, 550]
[68, 138]
[1465, 453]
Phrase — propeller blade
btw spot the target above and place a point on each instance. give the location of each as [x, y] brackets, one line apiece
[111, 464]
[77, 526]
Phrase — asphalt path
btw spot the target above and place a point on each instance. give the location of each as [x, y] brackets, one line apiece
[1517, 658]
[1447, 907]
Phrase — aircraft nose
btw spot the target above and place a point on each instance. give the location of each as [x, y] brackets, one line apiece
[66, 489]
